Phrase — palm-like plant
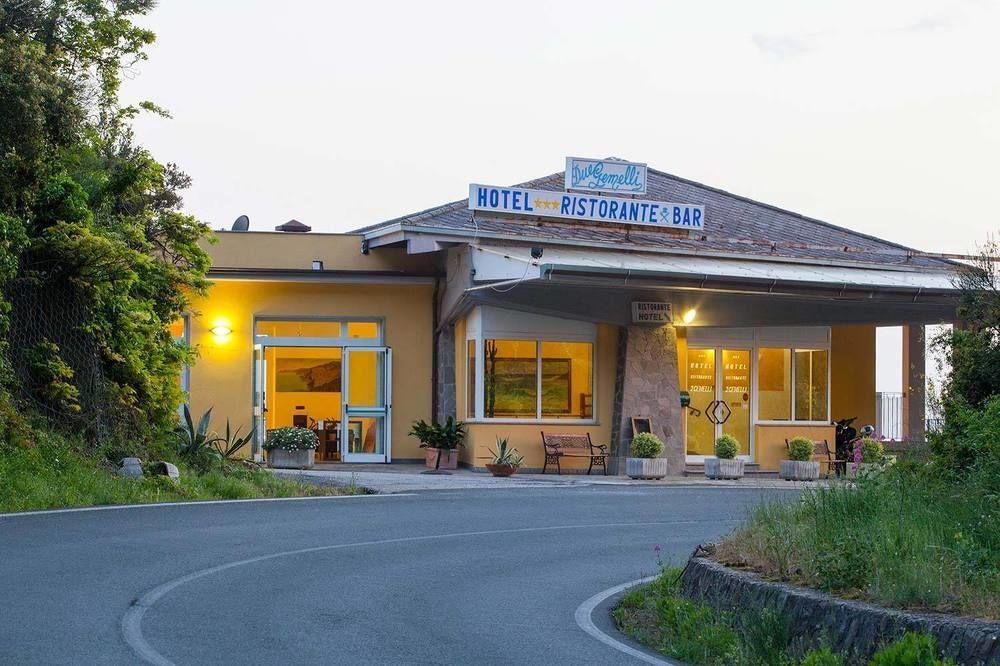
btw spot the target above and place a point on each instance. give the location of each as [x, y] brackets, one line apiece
[231, 444]
[506, 454]
[194, 443]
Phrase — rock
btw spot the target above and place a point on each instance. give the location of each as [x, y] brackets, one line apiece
[131, 467]
[163, 468]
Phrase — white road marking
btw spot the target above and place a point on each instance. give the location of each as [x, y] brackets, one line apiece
[131, 624]
[585, 620]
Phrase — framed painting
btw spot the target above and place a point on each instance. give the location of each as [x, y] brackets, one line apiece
[307, 375]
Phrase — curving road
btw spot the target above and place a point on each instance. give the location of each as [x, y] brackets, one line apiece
[467, 576]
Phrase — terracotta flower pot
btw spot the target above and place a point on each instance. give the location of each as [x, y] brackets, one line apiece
[501, 470]
[724, 468]
[449, 458]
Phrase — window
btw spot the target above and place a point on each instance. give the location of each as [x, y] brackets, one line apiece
[298, 329]
[567, 380]
[811, 385]
[510, 379]
[774, 384]
[778, 394]
[533, 379]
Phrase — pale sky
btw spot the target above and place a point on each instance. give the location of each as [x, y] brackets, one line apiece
[878, 116]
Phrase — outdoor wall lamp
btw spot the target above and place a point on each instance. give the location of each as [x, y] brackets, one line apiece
[690, 315]
[221, 331]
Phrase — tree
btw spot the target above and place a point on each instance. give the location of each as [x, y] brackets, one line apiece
[96, 256]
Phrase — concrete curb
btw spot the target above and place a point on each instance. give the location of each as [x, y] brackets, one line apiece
[853, 628]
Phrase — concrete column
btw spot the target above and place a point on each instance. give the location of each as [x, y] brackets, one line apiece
[914, 382]
[649, 386]
[445, 388]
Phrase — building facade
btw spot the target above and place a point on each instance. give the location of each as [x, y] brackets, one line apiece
[571, 303]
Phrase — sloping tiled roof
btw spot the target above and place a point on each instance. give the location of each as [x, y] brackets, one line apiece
[733, 224]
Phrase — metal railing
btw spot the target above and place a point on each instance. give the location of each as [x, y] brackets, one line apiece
[889, 415]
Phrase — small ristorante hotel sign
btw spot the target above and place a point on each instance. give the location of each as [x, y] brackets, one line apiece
[591, 180]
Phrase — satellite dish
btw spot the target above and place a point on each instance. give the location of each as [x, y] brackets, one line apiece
[242, 223]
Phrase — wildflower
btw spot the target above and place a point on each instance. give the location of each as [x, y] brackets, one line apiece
[656, 548]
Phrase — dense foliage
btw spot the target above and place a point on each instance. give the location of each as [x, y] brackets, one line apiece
[800, 448]
[96, 257]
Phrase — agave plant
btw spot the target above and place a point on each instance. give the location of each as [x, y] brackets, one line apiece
[194, 443]
[231, 444]
[506, 454]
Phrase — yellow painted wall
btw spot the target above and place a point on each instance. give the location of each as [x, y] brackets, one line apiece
[526, 438]
[770, 441]
[296, 251]
[223, 375]
[852, 373]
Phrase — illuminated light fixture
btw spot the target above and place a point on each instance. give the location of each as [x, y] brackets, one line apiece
[221, 331]
[690, 315]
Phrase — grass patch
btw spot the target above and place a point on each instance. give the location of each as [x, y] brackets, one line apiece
[907, 538]
[54, 474]
[658, 616]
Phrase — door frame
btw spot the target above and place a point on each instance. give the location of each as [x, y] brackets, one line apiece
[384, 411]
[750, 349]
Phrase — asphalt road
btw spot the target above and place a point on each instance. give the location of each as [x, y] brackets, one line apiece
[469, 576]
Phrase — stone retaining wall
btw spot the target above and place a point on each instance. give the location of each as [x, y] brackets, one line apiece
[850, 627]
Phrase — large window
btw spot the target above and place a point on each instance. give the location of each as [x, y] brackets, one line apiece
[533, 379]
[793, 384]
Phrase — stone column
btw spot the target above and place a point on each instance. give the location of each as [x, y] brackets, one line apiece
[648, 385]
[914, 383]
[445, 375]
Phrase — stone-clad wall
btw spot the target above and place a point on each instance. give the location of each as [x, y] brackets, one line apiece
[649, 386]
[849, 627]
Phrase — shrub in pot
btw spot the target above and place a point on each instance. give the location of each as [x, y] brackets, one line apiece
[725, 464]
[644, 461]
[291, 448]
[506, 459]
[800, 466]
[440, 442]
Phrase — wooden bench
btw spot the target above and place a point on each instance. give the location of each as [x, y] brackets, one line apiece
[571, 445]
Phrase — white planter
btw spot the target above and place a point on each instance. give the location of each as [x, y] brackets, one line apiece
[281, 459]
[799, 470]
[722, 468]
[646, 468]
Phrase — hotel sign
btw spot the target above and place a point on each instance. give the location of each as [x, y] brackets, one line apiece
[652, 312]
[611, 176]
[572, 206]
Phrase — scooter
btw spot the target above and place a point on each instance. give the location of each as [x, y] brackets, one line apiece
[847, 435]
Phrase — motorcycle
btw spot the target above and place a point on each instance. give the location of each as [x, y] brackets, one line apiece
[846, 436]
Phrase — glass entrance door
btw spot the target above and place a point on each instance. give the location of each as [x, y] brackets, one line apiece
[718, 381]
[367, 409]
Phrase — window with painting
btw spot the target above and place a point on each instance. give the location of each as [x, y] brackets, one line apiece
[533, 379]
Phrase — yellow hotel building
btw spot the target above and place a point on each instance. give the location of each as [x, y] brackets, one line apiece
[519, 321]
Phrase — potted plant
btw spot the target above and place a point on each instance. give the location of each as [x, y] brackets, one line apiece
[645, 461]
[440, 441]
[869, 457]
[506, 459]
[291, 448]
[725, 464]
[800, 466]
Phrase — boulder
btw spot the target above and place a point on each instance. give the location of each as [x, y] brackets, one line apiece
[163, 468]
[130, 467]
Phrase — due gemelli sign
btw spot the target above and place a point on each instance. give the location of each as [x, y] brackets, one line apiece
[613, 176]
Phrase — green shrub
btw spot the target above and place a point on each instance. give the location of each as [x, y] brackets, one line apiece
[823, 657]
[447, 436]
[800, 448]
[291, 439]
[910, 650]
[726, 447]
[872, 451]
[646, 445]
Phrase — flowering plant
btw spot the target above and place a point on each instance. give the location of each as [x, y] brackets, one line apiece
[291, 439]
[868, 450]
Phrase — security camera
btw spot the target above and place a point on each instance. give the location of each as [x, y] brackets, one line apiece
[536, 253]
